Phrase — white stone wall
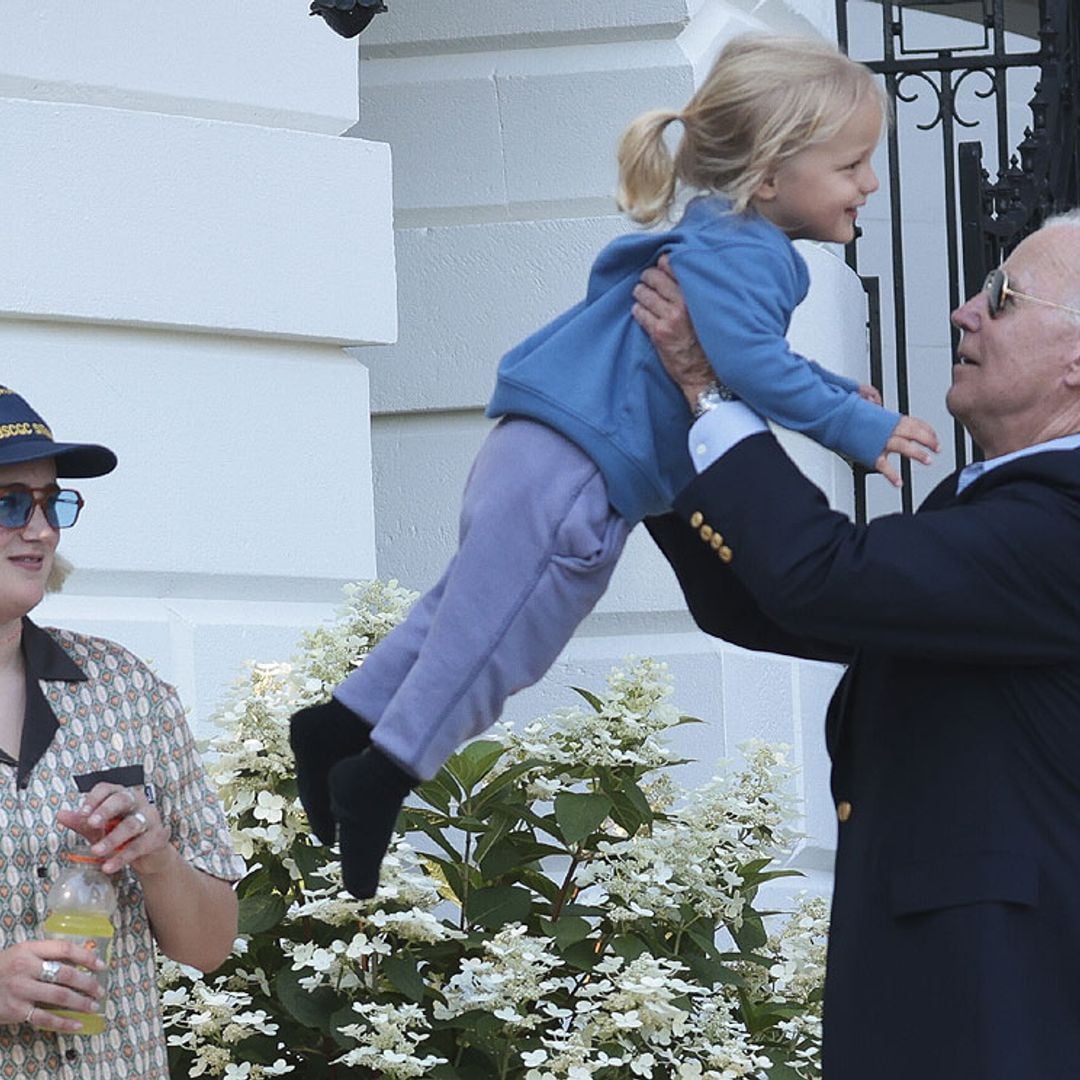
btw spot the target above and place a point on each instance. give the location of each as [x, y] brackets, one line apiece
[503, 121]
[188, 243]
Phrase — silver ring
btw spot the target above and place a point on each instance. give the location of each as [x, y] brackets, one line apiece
[131, 795]
[140, 817]
[33, 1008]
[50, 971]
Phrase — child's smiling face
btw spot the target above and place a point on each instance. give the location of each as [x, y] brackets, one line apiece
[816, 193]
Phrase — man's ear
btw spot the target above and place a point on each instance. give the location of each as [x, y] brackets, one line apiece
[1072, 373]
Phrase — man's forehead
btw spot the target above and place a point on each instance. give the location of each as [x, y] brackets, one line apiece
[1051, 253]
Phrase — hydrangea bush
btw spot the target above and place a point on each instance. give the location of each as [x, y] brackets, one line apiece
[553, 907]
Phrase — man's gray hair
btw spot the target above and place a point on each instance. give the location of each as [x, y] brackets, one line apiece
[1066, 217]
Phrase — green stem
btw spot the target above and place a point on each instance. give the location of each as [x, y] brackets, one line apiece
[568, 881]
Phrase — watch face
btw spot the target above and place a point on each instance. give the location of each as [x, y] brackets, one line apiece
[712, 396]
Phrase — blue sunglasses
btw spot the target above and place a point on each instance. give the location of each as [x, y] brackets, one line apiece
[61, 506]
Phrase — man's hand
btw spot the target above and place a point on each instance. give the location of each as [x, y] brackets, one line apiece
[911, 438]
[870, 393]
[660, 311]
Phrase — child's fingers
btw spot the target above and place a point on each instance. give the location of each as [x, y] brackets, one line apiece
[885, 468]
[916, 430]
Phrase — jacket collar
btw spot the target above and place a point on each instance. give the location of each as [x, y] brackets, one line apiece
[45, 660]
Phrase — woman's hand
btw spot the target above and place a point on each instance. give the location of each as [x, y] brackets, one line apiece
[911, 438]
[38, 975]
[123, 828]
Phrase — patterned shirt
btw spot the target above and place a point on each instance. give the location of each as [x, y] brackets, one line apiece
[95, 712]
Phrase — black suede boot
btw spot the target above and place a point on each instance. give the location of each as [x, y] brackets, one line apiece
[321, 736]
[366, 794]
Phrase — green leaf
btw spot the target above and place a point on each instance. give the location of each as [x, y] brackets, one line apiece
[628, 946]
[403, 975]
[260, 912]
[631, 809]
[686, 719]
[497, 828]
[578, 815]
[569, 931]
[344, 1017]
[497, 785]
[710, 972]
[703, 934]
[494, 907]
[473, 762]
[257, 881]
[581, 955]
[312, 1009]
[780, 1069]
[751, 934]
[540, 884]
[448, 873]
[440, 791]
[309, 859]
[516, 851]
[591, 698]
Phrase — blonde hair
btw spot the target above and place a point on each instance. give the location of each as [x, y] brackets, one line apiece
[765, 99]
[61, 568]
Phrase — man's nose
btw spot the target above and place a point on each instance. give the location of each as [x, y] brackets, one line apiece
[968, 316]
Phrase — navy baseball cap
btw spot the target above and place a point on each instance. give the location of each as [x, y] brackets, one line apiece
[24, 436]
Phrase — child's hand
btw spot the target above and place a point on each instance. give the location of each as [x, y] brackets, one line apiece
[911, 438]
[870, 393]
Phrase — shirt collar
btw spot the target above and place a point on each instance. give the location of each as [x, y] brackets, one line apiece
[45, 660]
[972, 472]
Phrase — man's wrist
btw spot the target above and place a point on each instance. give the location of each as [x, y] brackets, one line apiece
[710, 396]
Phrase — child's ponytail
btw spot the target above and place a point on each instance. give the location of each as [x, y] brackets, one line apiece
[647, 178]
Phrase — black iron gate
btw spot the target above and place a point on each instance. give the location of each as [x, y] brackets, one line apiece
[986, 105]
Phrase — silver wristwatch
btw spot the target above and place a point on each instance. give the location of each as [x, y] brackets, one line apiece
[711, 396]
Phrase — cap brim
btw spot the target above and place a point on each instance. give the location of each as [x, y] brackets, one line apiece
[73, 460]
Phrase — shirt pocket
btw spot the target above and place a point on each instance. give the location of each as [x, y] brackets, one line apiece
[124, 775]
[1003, 877]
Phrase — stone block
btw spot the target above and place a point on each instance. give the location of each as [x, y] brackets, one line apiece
[470, 292]
[445, 129]
[238, 457]
[114, 216]
[575, 158]
[247, 60]
[445, 24]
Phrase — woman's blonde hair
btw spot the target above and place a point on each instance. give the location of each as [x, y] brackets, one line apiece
[61, 568]
[765, 99]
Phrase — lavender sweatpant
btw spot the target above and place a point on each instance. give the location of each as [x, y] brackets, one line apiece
[537, 545]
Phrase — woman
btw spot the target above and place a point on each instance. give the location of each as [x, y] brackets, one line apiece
[93, 749]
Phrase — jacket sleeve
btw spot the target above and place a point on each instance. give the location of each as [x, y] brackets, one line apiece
[719, 602]
[740, 302]
[991, 577]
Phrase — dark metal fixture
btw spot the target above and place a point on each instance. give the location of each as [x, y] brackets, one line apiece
[347, 17]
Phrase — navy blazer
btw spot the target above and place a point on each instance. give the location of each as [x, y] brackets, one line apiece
[954, 949]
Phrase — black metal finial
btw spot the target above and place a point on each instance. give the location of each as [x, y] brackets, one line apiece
[347, 17]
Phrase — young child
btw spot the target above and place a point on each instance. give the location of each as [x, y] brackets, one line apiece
[592, 435]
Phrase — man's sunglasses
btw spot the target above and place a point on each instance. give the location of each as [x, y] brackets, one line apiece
[998, 291]
[61, 506]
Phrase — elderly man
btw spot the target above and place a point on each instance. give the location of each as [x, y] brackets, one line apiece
[954, 735]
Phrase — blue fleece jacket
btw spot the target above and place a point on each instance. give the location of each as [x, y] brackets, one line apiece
[593, 375]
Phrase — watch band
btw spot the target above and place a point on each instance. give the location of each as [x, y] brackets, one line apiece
[711, 396]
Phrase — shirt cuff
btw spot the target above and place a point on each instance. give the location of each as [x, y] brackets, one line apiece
[715, 432]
